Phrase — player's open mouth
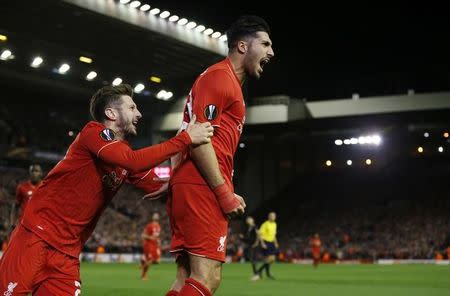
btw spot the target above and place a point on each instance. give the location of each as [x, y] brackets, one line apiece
[263, 62]
[135, 123]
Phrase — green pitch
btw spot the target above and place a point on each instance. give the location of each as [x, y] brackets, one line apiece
[333, 280]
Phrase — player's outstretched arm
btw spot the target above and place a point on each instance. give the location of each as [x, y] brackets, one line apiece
[120, 154]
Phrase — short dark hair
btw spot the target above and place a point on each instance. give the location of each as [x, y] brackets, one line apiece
[246, 25]
[105, 97]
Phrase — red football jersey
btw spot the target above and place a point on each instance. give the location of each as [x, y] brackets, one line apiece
[66, 207]
[216, 96]
[24, 193]
[315, 244]
[154, 229]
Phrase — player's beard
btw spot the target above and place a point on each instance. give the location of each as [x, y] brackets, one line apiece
[126, 126]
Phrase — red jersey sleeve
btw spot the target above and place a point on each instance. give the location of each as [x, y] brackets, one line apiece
[100, 141]
[149, 229]
[147, 181]
[210, 95]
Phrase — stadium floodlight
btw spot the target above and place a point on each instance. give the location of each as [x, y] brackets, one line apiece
[155, 79]
[174, 18]
[37, 62]
[6, 54]
[368, 161]
[135, 4]
[144, 7]
[426, 134]
[139, 88]
[216, 35]
[164, 95]
[441, 149]
[223, 38]
[200, 28]
[124, 1]
[117, 81]
[347, 141]
[182, 22]
[3, 37]
[191, 25]
[328, 163]
[86, 60]
[446, 135]
[165, 14]
[349, 162]
[208, 31]
[155, 11]
[241, 145]
[91, 75]
[376, 139]
[338, 142]
[63, 69]
[420, 149]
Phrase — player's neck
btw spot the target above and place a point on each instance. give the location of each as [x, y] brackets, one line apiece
[238, 67]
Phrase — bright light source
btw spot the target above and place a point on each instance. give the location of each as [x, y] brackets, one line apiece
[445, 135]
[124, 1]
[349, 162]
[91, 75]
[426, 134]
[6, 54]
[138, 88]
[70, 133]
[338, 142]
[376, 139]
[242, 145]
[200, 28]
[169, 95]
[117, 81]
[37, 61]
[164, 14]
[208, 31]
[328, 163]
[420, 149]
[441, 149]
[353, 141]
[223, 38]
[155, 11]
[164, 95]
[368, 161]
[144, 7]
[63, 69]
[191, 25]
[347, 141]
[182, 22]
[135, 4]
[174, 18]
[216, 35]
[3, 37]
[155, 79]
[85, 60]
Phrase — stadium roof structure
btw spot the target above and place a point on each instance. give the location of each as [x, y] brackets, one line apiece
[321, 53]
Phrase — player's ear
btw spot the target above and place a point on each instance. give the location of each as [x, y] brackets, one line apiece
[242, 46]
[110, 113]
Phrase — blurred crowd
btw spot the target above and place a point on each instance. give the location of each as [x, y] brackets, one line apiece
[397, 229]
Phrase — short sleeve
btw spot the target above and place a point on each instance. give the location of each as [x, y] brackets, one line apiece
[210, 96]
[96, 137]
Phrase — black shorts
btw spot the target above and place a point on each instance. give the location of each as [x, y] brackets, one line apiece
[270, 249]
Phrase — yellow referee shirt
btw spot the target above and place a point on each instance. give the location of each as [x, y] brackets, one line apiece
[268, 231]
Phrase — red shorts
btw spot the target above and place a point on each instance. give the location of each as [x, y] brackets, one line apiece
[30, 265]
[198, 224]
[152, 252]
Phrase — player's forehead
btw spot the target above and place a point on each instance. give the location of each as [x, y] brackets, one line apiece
[263, 37]
[127, 100]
